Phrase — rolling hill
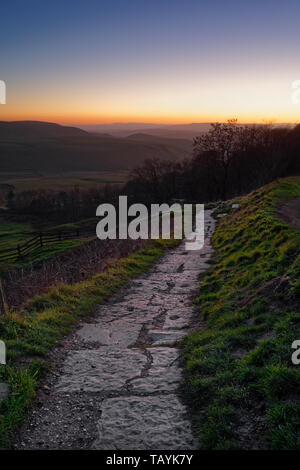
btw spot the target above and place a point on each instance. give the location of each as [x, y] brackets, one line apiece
[169, 131]
[36, 129]
[184, 144]
[46, 147]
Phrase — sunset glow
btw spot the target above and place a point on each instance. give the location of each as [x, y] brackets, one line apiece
[183, 62]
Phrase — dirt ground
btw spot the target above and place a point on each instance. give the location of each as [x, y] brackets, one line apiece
[290, 212]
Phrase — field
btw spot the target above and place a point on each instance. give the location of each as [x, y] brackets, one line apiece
[26, 180]
[14, 233]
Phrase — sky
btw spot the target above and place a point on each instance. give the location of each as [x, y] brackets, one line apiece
[159, 61]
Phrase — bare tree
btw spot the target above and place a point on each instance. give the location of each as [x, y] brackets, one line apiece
[222, 140]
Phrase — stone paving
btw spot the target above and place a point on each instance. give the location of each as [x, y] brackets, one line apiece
[117, 386]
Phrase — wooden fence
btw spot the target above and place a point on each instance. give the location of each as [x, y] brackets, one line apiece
[41, 239]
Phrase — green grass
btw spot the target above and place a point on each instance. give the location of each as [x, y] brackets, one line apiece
[52, 249]
[46, 319]
[14, 233]
[240, 380]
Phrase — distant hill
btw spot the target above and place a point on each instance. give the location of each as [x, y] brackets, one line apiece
[36, 129]
[168, 131]
[46, 147]
[184, 144]
[173, 131]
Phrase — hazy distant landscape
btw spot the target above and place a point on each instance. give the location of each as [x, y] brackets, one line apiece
[175, 131]
[25, 180]
[38, 154]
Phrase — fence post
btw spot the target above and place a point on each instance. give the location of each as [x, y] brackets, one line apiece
[77, 232]
[41, 239]
[19, 251]
[3, 304]
[59, 236]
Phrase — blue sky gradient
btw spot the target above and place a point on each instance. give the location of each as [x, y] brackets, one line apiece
[99, 61]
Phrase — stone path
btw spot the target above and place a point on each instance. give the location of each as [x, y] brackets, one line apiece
[117, 386]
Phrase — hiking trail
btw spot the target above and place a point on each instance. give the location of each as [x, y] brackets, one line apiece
[116, 379]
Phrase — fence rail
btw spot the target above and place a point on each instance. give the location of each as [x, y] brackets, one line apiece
[40, 240]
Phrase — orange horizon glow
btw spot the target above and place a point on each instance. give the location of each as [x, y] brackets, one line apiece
[145, 62]
[73, 120]
[249, 101]
[182, 100]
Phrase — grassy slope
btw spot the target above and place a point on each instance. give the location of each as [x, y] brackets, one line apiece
[240, 380]
[47, 319]
[14, 233]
